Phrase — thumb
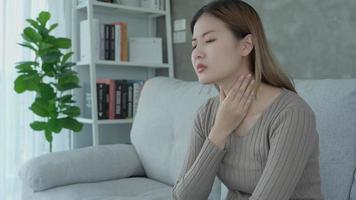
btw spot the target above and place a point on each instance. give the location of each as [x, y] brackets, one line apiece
[222, 94]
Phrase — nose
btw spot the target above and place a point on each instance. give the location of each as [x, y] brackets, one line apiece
[198, 53]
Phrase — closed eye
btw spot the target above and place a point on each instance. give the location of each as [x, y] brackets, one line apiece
[209, 41]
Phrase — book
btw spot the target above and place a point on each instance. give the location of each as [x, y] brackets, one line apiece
[107, 1]
[102, 100]
[129, 99]
[117, 42]
[111, 96]
[101, 41]
[116, 99]
[84, 40]
[124, 54]
[112, 42]
[135, 87]
[87, 100]
[107, 42]
[121, 99]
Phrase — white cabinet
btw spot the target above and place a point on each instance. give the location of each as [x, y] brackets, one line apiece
[142, 22]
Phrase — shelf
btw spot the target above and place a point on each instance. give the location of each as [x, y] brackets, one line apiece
[106, 121]
[131, 64]
[143, 22]
[116, 8]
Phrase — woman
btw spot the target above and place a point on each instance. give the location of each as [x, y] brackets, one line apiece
[258, 135]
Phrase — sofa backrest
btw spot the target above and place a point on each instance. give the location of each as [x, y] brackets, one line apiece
[334, 105]
[163, 123]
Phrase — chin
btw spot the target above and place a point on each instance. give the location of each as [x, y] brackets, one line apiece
[206, 80]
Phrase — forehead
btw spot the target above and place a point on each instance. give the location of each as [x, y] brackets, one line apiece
[207, 22]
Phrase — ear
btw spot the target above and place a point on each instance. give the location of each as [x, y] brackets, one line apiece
[246, 45]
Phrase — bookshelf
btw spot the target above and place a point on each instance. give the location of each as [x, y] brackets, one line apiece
[141, 22]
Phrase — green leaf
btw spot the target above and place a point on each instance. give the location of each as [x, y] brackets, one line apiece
[43, 17]
[44, 32]
[40, 107]
[50, 39]
[68, 82]
[68, 86]
[65, 99]
[67, 73]
[48, 135]
[38, 126]
[71, 124]
[48, 69]
[32, 35]
[43, 52]
[45, 45]
[34, 24]
[66, 65]
[19, 84]
[54, 125]
[46, 91]
[52, 57]
[63, 43]
[72, 111]
[28, 63]
[26, 38]
[67, 56]
[25, 68]
[52, 109]
[26, 82]
[53, 26]
[28, 45]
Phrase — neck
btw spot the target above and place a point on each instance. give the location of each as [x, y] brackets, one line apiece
[228, 83]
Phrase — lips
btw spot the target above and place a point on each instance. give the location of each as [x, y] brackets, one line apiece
[201, 67]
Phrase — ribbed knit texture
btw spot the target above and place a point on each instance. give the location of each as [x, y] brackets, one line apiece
[277, 159]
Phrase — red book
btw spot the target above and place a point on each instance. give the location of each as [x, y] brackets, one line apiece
[112, 90]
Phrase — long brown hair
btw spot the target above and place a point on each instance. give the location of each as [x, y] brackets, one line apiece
[242, 19]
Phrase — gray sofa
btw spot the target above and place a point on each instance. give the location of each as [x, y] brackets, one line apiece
[149, 167]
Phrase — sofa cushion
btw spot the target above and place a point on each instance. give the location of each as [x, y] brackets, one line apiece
[334, 104]
[136, 188]
[88, 164]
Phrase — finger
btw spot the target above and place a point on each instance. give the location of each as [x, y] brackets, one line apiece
[234, 88]
[248, 102]
[222, 94]
[242, 89]
[250, 89]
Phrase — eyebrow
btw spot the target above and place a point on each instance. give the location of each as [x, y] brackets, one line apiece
[204, 34]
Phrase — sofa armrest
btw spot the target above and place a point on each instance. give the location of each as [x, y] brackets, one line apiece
[88, 164]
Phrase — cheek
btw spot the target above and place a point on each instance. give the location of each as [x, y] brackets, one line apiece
[225, 56]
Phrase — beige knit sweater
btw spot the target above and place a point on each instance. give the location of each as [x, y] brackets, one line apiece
[278, 159]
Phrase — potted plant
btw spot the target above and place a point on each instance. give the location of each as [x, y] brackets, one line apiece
[50, 76]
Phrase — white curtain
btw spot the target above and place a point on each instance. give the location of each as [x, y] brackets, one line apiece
[18, 142]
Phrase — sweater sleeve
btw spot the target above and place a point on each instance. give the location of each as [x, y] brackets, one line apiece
[292, 141]
[200, 166]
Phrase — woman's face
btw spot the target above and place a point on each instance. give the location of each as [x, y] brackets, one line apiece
[214, 45]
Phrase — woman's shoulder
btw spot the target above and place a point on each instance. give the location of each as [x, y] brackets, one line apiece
[206, 114]
[293, 102]
[209, 104]
[293, 99]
